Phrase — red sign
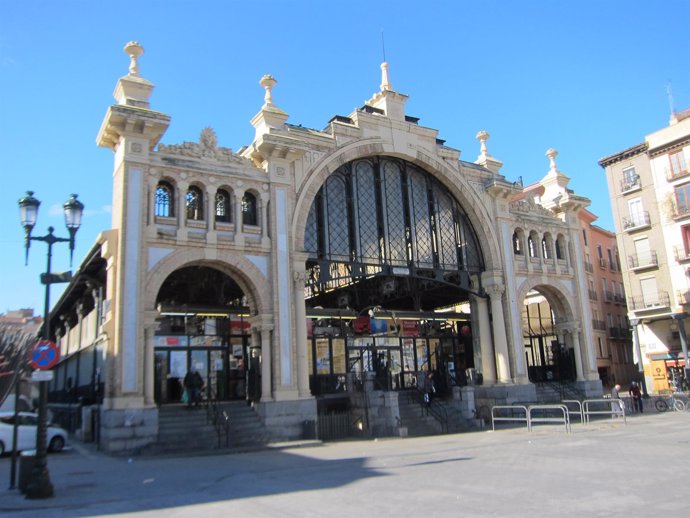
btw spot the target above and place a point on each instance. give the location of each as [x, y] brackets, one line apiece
[44, 355]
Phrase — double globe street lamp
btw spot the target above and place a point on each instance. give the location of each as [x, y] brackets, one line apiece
[39, 485]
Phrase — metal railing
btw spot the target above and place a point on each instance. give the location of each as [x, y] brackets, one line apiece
[681, 253]
[611, 407]
[649, 301]
[628, 184]
[431, 406]
[512, 417]
[643, 260]
[674, 174]
[547, 416]
[578, 412]
[637, 220]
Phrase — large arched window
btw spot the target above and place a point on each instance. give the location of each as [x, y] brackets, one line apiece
[222, 204]
[195, 203]
[249, 209]
[165, 200]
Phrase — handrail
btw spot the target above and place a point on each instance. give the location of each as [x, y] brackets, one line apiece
[433, 408]
[495, 418]
[610, 404]
[579, 406]
[546, 419]
[217, 417]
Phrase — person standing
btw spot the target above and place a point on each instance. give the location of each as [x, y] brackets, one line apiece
[636, 396]
[193, 383]
[615, 395]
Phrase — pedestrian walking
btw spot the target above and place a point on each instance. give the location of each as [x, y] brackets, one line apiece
[636, 396]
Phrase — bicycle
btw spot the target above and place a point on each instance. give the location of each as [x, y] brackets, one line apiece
[663, 403]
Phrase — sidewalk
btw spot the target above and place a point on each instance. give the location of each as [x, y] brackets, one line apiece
[604, 468]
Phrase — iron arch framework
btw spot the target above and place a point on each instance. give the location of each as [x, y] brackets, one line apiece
[384, 231]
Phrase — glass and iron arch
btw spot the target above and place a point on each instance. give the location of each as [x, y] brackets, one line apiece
[385, 230]
[164, 205]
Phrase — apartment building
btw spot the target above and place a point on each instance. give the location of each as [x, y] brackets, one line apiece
[649, 186]
[610, 325]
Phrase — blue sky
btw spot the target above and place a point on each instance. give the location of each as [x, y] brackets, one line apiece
[588, 78]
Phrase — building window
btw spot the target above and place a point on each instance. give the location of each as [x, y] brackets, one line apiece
[195, 204]
[678, 167]
[630, 178]
[682, 199]
[517, 243]
[165, 198]
[249, 209]
[560, 248]
[584, 236]
[545, 248]
[532, 246]
[612, 265]
[223, 213]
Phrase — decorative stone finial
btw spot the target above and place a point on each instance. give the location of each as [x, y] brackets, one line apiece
[268, 82]
[208, 138]
[482, 137]
[385, 82]
[552, 154]
[134, 50]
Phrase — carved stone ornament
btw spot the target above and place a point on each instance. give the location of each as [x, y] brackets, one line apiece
[528, 206]
[299, 277]
[495, 290]
[208, 138]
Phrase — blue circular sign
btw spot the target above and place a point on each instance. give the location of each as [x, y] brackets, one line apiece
[45, 355]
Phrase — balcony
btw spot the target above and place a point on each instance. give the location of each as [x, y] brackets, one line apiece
[599, 325]
[636, 221]
[602, 263]
[681, 254]
[619, 299]
[592, 294]
[643, 260]
[672, 174]
[683, 297]
[588, 267]
[630, 184]
[650, 301]
[680, 211]
[609, 296]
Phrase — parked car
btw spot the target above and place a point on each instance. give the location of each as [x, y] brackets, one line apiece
[56, 437]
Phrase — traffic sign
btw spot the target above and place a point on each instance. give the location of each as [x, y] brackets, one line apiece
[45, 355]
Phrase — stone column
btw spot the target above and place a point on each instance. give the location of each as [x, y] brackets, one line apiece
[300, 277]
[266, 360]
[264, 217]
[239, 235]
[488, 356]
[149, 364]
[499, 328]
[574, 331]
[635, 323]
[680, 320]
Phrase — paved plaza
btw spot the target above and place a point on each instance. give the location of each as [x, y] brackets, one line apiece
[603, 469]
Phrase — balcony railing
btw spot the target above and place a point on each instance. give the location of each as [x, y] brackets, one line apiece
[592, 294]
[680, 211]
[629, 184]
[643, 260]
[599, 325]
[675, 174]
[602, 263]
[637, 220]
[683, 297]
[681, 254]
[619, 299]
[608, 296]
[588, 267]
[650, 301]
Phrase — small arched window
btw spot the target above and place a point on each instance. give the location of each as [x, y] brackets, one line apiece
[223, 213]
[532, 245]
[195, 204]
[165, 200]
[517, 244]
[249, 209]
[560, 249]
[546, 247]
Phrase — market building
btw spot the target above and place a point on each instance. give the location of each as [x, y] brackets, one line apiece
[320, 273]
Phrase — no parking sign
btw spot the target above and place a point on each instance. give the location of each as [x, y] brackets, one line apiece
[44, 355]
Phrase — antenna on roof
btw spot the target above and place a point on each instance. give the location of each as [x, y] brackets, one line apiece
[383, 46]
[669, 92]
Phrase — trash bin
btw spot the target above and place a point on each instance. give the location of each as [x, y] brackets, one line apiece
[309, 429]
[27, 459]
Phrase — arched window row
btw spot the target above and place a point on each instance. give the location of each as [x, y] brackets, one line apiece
[537, 246]
[194, 204]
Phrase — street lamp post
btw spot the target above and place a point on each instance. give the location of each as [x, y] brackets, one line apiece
[39, 485]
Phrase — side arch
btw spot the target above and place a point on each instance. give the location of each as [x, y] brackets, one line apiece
[247, 275]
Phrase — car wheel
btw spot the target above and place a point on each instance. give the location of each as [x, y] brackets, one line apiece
[56, 443]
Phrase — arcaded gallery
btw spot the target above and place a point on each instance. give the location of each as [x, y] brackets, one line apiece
[357, 280]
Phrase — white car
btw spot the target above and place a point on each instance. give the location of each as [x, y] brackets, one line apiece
[56, 437]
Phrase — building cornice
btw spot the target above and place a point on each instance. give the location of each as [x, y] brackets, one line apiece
[623, 155]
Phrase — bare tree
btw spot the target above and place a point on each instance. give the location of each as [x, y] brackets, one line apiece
[15, 344]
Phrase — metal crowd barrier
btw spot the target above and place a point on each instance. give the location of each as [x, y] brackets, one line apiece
[610, 404]
[565, 418]
[567, 402]
[495, 418]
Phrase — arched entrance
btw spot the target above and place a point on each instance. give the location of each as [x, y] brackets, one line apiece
[204, 324]
[391, 255]
[546, 353]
